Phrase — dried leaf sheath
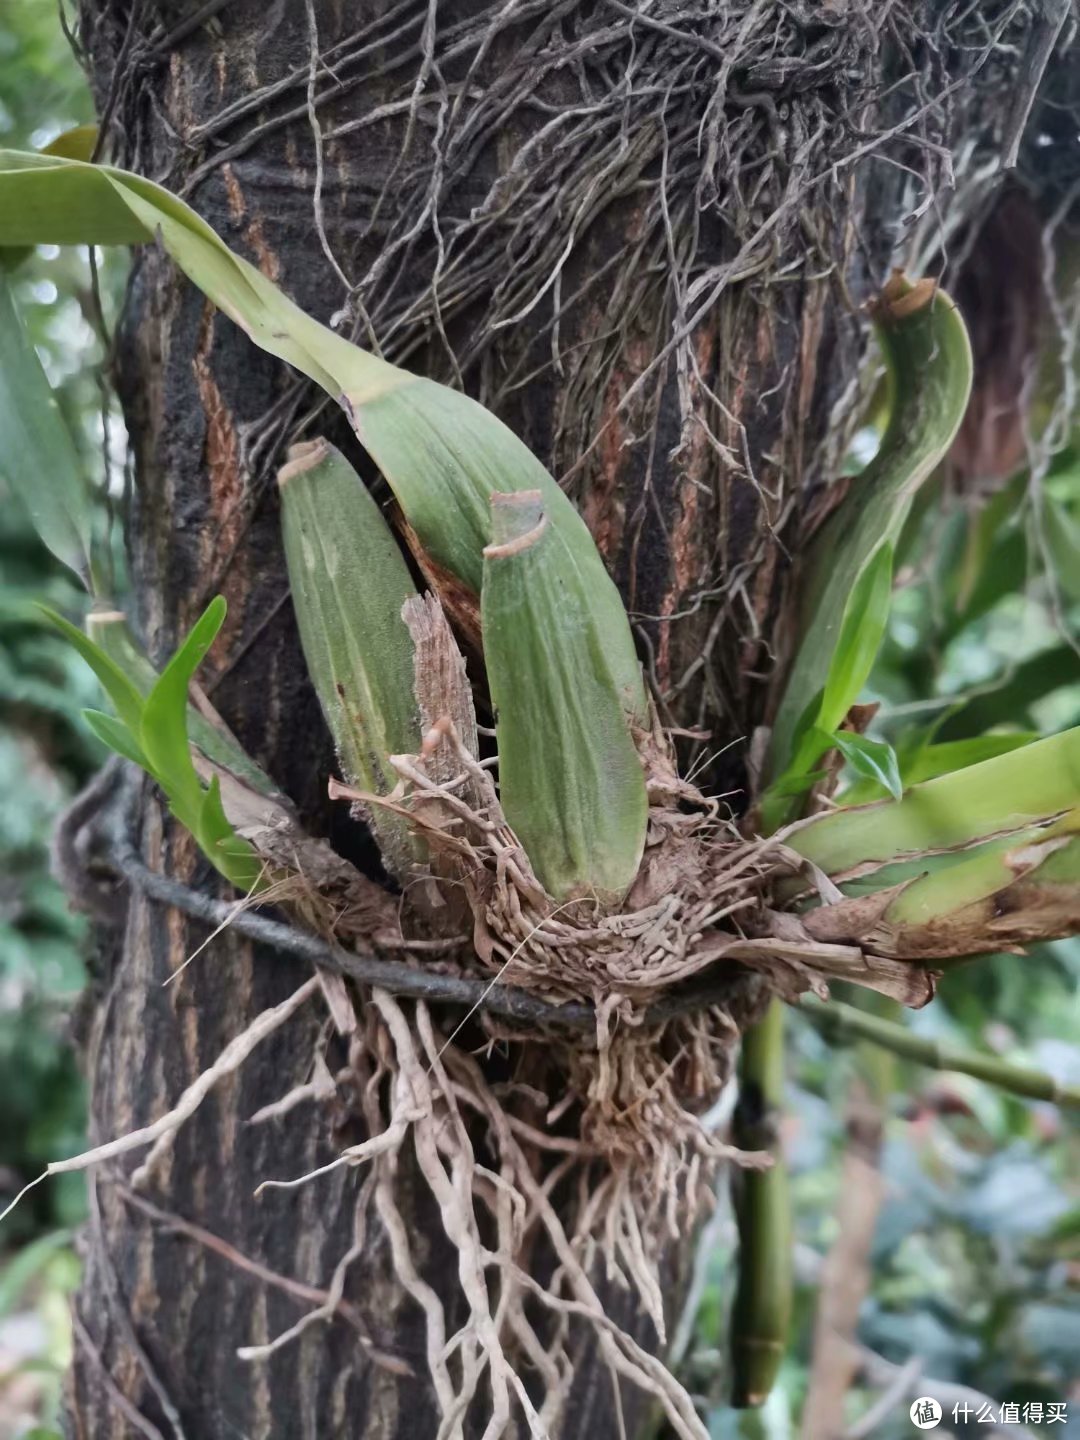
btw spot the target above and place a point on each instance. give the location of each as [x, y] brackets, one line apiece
[571, 781]
[349, 583]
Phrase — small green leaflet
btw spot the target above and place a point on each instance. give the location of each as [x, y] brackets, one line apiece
[872, 759]
[116, 736]
[163, 732]
[120, 690]
[927, 761]
[1006, 794]
[862, 630]
[152, 734]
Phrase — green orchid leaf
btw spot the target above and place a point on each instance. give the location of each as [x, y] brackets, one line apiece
[123, 694]
[75, 144]
[163, 734]
[152, 733]
[441, 453]
[862, 628]
[78, 143]
[990, 869]
[570, 776]
[109, 630]
[117, 737]
[233, 856]
[928, 358]
[875, 760]
[349, 583]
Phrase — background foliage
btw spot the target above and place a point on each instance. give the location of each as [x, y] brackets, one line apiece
[975, 1261]
[46, 755]
[975, 1258]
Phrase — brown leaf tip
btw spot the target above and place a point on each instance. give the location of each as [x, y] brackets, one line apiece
[303, 456]
[901, 297]
[517, 522]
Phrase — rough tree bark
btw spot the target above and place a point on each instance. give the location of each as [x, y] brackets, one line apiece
[692, 533]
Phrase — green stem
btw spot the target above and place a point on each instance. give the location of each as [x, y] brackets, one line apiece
[845, 1024]
[761, 1313]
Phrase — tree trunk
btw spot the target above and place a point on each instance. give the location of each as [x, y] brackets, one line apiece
[694, 491]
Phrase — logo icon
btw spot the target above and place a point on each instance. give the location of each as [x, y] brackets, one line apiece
[925, 1413]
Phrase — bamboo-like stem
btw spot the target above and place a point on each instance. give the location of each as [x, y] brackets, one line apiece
[845, 1024]
[761, 1313]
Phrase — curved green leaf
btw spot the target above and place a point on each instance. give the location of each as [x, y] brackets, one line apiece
[865, 616]
[109, 630]
[119, 688]
[219, 842]
[115, 734]
[862, 627]
[163, 734]
[928, 356]
[37, 457]
[441, 453]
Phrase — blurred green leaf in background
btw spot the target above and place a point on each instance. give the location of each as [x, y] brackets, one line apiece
[46, 755]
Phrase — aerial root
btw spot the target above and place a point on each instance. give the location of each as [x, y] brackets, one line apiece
[702, 900]
[593, 1154]
[513, 1355]
[162, 1132]
[622, 1215]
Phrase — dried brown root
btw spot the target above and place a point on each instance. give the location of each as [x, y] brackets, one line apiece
[162, 1132]
[636, 1160]
[617, 1165]
[479, 1159]
[606, 1236]
[703, 895]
